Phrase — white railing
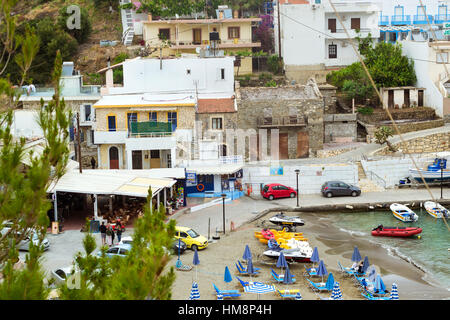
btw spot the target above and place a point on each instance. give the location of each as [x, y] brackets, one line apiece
[238, 159]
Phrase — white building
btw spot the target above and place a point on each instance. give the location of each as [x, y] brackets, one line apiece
[161, 97]
[313, 41]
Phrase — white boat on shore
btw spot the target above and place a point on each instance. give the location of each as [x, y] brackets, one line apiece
[436, 210]
[435, 172]
[403, 213]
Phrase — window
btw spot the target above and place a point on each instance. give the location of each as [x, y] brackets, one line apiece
[233, 32]
[332, 51]
[216, 123]
[332, 25]
[355, 23]
[111, 123]
[153, 116]
[442, 57]
[87, 112]
[164, 34]
[113, 251]
[172, 118]
[154, 154]
[131, 117]
[222, 74]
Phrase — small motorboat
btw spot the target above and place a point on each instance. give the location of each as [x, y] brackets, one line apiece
[436, 210]
[403, 213]
[435, 172]
[395, 231]
[295, 254]
[286, 221]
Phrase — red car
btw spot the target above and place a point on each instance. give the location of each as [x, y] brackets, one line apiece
[276, 190]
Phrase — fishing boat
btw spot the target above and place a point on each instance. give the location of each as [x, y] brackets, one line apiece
[433, 172]
[403, 213]
[436, 210]
[395, 231]
[295, 254]
[286, 221]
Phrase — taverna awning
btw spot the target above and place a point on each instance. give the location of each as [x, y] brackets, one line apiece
[134, 183]
[220, 169]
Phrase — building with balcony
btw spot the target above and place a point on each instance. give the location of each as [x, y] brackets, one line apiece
[399, 19]
[77, 96]
[143, 123]
[313, 41]
[230, 35]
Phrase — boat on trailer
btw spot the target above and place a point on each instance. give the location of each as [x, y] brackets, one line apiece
[286, 221]
[395, 231]
[403, 213]
[436, 210]
[435, 172]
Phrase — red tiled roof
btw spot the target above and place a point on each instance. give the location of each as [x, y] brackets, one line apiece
[216, 105]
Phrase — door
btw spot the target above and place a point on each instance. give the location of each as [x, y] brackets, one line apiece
[284, 154]
[406, 98]
[136, 159]
[420, 98]
[155, 159]
[344, 189]
[276, 191]
[113, 158]
[284, 191]
[390, 98]
[302, 144]
[332, 25]
[355, 23]
[197, 36]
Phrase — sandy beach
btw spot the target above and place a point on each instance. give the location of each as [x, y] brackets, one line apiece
[333, 245]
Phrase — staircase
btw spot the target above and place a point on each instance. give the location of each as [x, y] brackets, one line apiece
[366, 184]
[127, 25]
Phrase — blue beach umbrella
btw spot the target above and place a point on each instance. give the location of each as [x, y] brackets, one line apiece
[356, 255]
[298, 296]
[315, 255]
[219, 296]
[247, 254]
[394, 292]
[195, 294]
[227, 276]
[321, 270]
[281, 262]
[259, 288]
[288, 276]
[250, 269]
[330, 282]
[336, 294]
[366, 264]
[379, 284]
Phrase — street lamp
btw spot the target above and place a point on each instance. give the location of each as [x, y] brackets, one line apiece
[223, 213]
[441, 164]
[297, 171]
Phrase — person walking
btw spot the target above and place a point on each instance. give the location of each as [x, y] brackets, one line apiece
[119, 230]
[93, 162]
[103, 233]
[109, 235]
[112, 235]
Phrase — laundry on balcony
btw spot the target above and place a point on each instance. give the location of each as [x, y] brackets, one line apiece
[150, 129]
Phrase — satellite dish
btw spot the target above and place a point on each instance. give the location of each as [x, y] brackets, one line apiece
[198, 49]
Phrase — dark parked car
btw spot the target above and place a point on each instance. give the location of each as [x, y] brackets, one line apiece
[276, 190]
[339, 188]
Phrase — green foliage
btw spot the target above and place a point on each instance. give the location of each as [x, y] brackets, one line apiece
[85, 29]
[271, 83]
[168, 8]
[274, 64]
[140, 275]
[265, 76]
[382, 134]
[118, 72]
[365, 110]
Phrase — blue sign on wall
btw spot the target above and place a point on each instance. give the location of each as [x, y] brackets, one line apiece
[191, 179]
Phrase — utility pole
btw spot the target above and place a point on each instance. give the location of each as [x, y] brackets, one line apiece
[79, 143]
[279, 29]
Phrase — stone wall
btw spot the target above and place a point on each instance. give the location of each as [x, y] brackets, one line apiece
[433, 143]
[417, 113]
[306, 101]
[340, 127]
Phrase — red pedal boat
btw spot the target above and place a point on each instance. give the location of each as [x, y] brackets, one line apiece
[267, 234]
[395, 231]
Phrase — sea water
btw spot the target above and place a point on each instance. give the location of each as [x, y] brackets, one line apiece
[429, 252]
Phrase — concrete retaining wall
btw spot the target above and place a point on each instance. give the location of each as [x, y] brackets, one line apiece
[310, 179]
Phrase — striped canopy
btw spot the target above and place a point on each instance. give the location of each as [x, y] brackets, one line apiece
[195, 294]
[336, 294]
[259, 288]
[394, 292]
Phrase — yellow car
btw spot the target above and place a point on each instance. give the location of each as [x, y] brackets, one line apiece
[191, 238]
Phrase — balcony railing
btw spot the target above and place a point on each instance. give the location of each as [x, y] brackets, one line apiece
[400, 19]
[149, 134]
[422, 19]
[281, 121]
[441, 18]
[384, 21]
